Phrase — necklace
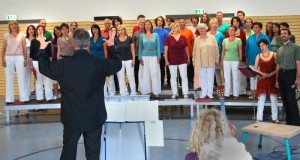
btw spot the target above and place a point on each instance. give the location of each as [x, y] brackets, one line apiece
[213, 32]
[267, 54]
[65, 39]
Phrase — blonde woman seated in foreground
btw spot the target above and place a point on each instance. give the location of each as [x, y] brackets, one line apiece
[212, 138]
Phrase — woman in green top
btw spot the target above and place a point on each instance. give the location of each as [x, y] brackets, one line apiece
[276, 40]
[248, 29]
[231, 59]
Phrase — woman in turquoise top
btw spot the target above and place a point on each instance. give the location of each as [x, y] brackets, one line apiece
[231, 58]
[97, 43]
[149, 56]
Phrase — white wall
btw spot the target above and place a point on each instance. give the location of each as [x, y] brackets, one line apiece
[85, 10]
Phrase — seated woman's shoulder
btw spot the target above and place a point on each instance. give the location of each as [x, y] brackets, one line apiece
[236, 151]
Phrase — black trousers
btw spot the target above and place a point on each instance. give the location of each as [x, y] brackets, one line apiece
[136, 72]
[92, 144]
[162, 71]
[116, 83]
[190, 72]
[286, 80]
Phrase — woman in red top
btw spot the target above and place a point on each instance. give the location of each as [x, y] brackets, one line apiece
[266, 66]
[176, 56]
[235, 21]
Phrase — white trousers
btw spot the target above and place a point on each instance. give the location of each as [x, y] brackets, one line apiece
[183, 75]
[253, 81]
[126, 65]
[243, 83]
[105, 90]
[27, 76]
[207, 81]
[111, 85]
[15, 63]
[261, 104]
[39, 90]
[231, 68]
[149, 76]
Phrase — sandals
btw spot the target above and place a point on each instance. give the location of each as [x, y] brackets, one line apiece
[276, 121]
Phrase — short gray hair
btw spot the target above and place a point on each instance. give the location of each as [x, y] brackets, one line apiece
[107, 20]
[81, 38]
[203, 25]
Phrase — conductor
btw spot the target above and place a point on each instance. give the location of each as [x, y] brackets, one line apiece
[81, 78]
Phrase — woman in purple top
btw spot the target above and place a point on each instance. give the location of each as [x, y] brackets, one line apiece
[176, 56]
[57, 34]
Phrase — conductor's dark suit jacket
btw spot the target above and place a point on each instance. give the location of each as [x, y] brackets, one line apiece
[81, 79]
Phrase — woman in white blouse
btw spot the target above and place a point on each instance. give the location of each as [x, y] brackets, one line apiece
[14, 57]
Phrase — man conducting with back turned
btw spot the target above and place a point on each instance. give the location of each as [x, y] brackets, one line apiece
[81, 78]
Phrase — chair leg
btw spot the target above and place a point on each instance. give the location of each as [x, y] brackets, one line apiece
[260, 142]
[287, 147]
[245, 137]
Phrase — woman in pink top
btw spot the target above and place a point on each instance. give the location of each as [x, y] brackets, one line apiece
[14, 57]
[176, 56]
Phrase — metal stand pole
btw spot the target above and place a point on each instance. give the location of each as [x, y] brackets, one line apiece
[254, 92]
[145, 140]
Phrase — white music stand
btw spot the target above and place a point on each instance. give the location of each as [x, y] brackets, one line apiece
[124, 114]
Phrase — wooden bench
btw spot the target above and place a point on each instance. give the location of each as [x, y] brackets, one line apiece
[272, 129]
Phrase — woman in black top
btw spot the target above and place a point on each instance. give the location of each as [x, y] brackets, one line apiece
[125, 46]
[34, 49]
[57, 34]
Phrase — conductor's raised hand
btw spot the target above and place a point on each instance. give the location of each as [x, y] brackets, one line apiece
[44, 44]
[111, 40]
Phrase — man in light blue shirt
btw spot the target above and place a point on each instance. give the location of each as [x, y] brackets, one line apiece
[162, 34]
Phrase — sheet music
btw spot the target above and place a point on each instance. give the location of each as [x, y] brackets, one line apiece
[154, 133]
[150, 111]
[248, 72]
[134, 112]
[115, 111]
[141, 111]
